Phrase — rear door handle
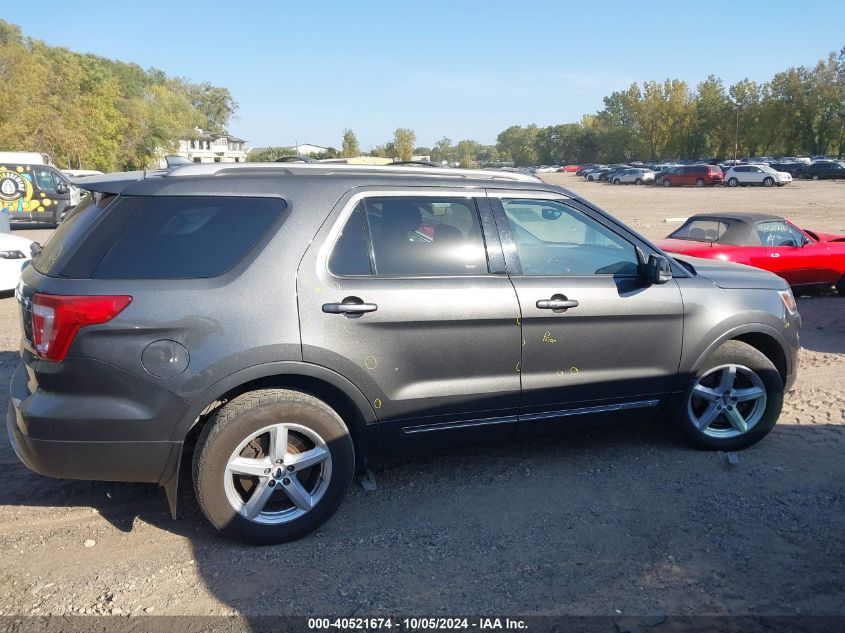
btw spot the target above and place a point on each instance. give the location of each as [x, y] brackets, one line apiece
[557, 302]
[350, 305]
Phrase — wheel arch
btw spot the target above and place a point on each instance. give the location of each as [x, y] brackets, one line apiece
[764, 338]
[329, 386]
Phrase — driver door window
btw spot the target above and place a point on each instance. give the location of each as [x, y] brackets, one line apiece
[556, 240]
[45, 180]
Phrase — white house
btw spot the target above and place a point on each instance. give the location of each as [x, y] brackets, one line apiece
[206, 147]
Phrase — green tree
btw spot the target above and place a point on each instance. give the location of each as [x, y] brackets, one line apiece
[87, 111]
[403, 143]
[271, 154]
[443, 152]
[350, 148]
[518, 142]
[467, 152]
[214, 103]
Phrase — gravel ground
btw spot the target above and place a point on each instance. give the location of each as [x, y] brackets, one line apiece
[622, 520]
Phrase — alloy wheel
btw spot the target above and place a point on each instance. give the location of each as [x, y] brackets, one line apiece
[278, 474]
[727, 401]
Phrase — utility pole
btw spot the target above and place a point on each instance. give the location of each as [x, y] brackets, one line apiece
[736, 133]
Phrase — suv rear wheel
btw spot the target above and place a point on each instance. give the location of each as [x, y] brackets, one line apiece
[272, 466]
[666, 182]
[732, 182]
[699, 182]
[734, 401]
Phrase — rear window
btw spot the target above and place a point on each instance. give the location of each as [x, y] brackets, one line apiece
[76, 225]
[188, 237]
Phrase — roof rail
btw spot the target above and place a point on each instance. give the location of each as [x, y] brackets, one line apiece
[323, 169]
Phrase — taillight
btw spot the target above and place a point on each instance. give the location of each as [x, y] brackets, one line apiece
[57, 318]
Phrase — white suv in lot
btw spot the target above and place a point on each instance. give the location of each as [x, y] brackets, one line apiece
[634, 176]
[756, 175]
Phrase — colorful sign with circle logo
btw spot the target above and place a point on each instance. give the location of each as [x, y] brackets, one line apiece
[17, 192]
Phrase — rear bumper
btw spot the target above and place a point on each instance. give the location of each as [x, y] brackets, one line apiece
[111, 460]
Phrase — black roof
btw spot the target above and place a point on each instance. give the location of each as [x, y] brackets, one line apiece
[739, 216]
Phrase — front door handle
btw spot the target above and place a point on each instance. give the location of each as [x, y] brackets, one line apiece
[350, 305]
[558, 303]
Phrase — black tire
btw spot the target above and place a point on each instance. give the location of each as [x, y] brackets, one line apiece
[768, 181]
[699, 182]
[732, 182]
[815, 176]
[735, 353]
[840, 286]
[232, 424]
[638, 181]
[666, 182]
[616, 181]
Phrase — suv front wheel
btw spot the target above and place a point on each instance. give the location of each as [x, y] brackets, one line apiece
[734, 400]
[272, 465]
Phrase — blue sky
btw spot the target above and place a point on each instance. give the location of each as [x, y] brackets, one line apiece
[301, 72]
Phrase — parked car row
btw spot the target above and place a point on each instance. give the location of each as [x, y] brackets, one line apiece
[698, 175]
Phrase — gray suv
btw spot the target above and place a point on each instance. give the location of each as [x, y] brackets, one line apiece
[290, 325]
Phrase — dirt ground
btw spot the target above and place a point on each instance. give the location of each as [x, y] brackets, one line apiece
[615, 521]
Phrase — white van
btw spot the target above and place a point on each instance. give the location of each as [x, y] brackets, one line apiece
[25, 158]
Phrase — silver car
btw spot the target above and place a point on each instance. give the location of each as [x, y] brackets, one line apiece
[634, 176]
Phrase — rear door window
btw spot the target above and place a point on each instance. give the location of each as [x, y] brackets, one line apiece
[351, 253]
[414, 236]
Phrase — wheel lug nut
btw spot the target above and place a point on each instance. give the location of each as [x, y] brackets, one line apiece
[290, 469]
[266, 471]
[278, 461]
[272, 483]
[286, 481]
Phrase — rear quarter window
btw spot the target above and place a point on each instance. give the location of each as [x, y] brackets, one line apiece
[188, 237]
[701, 230]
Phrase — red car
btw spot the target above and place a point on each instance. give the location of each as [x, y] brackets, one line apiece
[570, 169]
[769, 242]
[694, 175]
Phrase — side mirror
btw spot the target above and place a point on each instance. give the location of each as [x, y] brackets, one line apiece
[658, 270]
[62, 188]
